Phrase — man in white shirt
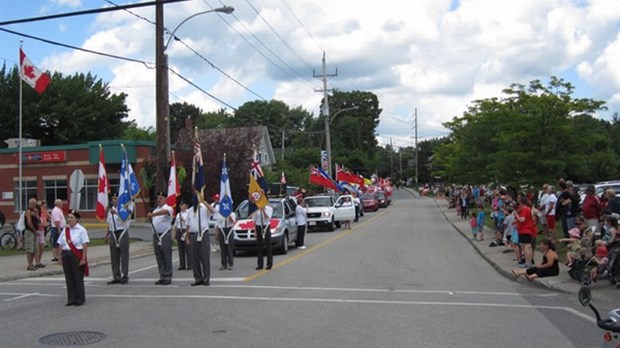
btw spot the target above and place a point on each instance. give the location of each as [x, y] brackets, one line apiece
[301, 218]
[197, 233]
[262, 222]
[59, 223]
[161, 221]
[180, 226]
[226, 240]
[549, 213]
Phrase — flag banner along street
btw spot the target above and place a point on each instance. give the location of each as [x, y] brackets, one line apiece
[103, 188]
[173, 184]
[226, 202]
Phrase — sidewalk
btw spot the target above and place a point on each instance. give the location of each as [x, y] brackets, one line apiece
[14, 267]
[503, 263]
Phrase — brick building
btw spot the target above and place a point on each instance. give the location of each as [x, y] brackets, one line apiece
[46, 173]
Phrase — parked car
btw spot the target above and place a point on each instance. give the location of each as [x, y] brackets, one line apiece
[326, 212]
[383, 201]
[283, 225]
[369, 202]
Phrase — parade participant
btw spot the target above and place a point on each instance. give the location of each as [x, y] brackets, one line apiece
[117, 238]
[31, 219]
[59, 223]
[262, 221]
[197, 238]
[301, 217]
[180, 227]
[227, 240]
[161, 220]
[73, 242]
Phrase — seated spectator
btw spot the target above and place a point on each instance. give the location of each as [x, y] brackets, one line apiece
[609, 231]
[549, 266]
[599, 262]
[573, 245]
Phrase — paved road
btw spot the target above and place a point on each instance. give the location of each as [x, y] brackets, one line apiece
[402, 277]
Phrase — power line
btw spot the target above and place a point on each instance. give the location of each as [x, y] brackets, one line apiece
[194, 51]
[98, 10]
[301, 59]
[56, 43]
[302, 25]
[200, 88]
[300, 78]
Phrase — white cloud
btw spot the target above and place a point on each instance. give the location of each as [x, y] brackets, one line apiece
[410, 53]
[68, 3]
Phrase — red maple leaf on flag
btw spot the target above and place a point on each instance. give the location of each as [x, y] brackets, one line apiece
[29, 71]
[102, 184]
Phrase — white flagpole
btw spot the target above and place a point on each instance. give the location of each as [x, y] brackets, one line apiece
[19, 197]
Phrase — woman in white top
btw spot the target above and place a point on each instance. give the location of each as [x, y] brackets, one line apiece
[73, 242]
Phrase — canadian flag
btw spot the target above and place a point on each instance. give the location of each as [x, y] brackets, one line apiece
[173, 184]
[103, 188]
[36, 78]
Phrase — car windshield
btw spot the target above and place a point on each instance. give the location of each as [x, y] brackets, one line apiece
[318, 202]
[242, 211]
[380, 195]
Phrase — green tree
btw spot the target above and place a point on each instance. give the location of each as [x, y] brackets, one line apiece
[133, 132]
[179, 113]
[535, 134]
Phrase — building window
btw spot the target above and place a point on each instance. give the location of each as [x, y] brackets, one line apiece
[29, 190]
[54, 189]
[89, 195]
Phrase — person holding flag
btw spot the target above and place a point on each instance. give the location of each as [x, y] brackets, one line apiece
[226, 220]
[180, 225]
[262, 216]
[117, 238]
[198, 223]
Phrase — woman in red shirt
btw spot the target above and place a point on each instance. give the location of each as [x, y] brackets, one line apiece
[591, 207]
[526, 229]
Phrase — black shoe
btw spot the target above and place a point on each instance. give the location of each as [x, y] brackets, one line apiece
[259, 267]
[40, 265]
[493, 244]
[54, 259]
[189, 268]
[268, 268]
[500, 244]
[70, 304]
[196, 283]
[79, 303]
[223, 268]
[114, 281]
[181, 268]
[159, 282]
[166, 282]
[205, 283]
[124, 281]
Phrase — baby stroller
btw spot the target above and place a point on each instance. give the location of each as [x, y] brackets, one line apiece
[580, 270]
[613, 266]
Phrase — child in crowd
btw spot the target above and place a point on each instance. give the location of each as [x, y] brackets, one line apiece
[573, 245]
[599, 261]
[509, 221]
[473, 223]
[480, 222]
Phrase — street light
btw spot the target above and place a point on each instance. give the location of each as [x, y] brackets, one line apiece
[328, 141]
[162, 88]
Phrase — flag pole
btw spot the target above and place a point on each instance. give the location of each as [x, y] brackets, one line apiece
[19, 197]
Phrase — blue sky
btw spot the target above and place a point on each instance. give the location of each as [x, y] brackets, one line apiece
[433, 55]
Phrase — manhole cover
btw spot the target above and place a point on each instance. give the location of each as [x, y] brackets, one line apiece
[76, 338]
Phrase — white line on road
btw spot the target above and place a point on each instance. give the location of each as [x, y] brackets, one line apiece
[29, 281]
[20, 297]
[175, 297]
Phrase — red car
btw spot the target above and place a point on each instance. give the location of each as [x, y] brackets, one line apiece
[369, 202]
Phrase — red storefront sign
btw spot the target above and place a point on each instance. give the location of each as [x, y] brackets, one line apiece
[44, 157]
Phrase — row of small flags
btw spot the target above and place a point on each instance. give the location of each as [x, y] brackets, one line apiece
[344, 179]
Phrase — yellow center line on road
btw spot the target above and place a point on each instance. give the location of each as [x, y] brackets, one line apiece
[311, 249]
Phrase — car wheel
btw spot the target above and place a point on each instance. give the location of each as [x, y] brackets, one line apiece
[338, 224]
[331, 226]
[284, 247]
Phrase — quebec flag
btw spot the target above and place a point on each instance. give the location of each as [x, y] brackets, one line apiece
[127, 190]
[226, 201]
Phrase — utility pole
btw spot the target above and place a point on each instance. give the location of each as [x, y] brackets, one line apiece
[161, 98]
[391, 160]
[283, 145]
[415, 115]
[325, 112]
